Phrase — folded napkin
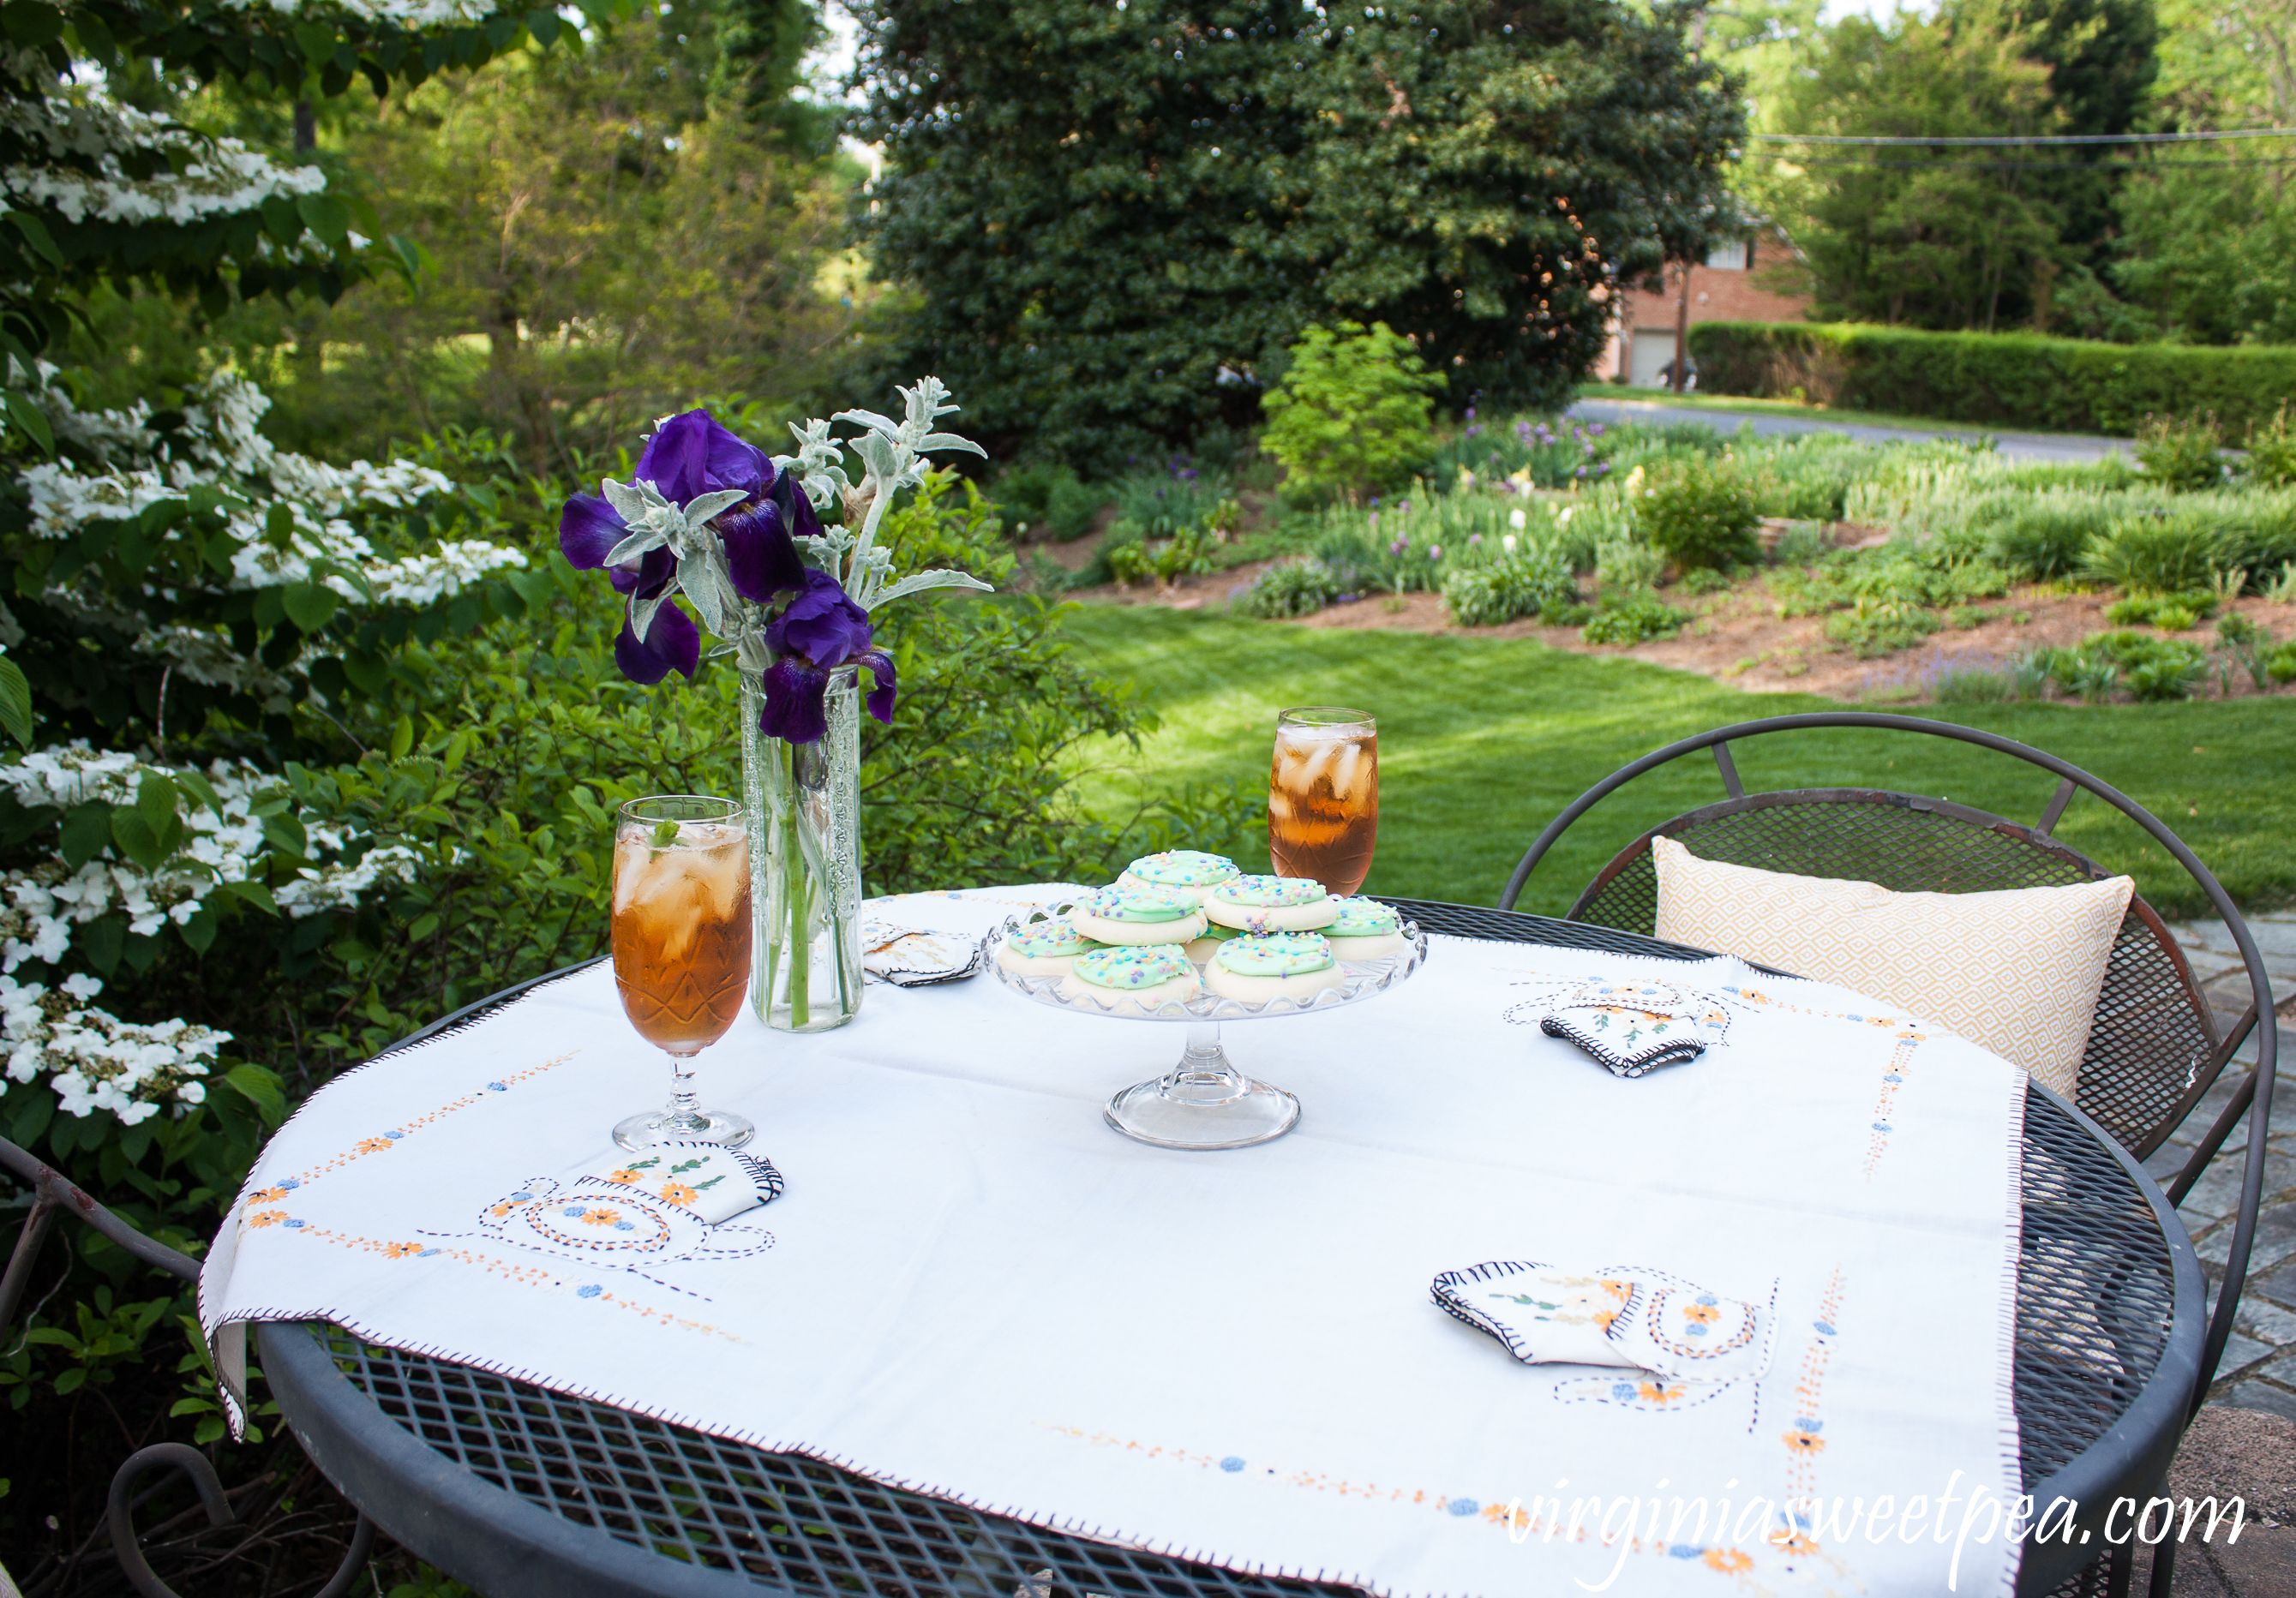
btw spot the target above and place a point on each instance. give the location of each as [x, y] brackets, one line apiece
[706, 1180]
[909, 957]
[1632, 1026]
[1629, 1316]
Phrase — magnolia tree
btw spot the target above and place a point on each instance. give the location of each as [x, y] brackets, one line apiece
[179, 587]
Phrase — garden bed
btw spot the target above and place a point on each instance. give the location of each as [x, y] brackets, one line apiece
[1738, 637]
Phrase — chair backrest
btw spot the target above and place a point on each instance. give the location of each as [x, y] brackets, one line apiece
[2154, 1046]
[2153, 1036]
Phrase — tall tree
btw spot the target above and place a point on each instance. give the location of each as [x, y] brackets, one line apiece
[1117, 217]
[1936, 236]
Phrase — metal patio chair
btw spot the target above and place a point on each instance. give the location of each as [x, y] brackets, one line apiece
[53, 1195]
[2155, 1048]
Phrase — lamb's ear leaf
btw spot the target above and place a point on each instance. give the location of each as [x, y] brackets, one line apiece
[932, 441]
[939, 577]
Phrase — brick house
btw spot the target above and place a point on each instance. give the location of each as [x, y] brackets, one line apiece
[1759, 279]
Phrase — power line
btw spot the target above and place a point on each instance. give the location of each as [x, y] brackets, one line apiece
[2052, 138]
[1853, 160]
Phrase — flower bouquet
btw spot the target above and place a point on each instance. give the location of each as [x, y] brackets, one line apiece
[739, 535]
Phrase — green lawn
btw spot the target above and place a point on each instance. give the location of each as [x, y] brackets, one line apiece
[1794, 407]
[1483, 740]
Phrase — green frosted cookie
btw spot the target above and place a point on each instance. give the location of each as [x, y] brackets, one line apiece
[1134, 967]
[1182, 868]
[1274, 953]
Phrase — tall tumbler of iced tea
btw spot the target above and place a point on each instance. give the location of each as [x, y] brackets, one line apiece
[681, 936]
[1323, 796]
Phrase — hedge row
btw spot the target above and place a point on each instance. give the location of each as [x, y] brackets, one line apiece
[2003, 379]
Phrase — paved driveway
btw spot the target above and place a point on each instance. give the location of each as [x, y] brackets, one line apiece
[2022, 446]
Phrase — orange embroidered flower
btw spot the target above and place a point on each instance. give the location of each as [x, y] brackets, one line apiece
[1805, 1442]
[621, 1175]
[1800, 1543]
[400, 1251]
[269, 1195]
[597, 1216]
[1604, 1317]
[500, 1210]
[678, 1192]
[1661, 1392]
[1701, 1314]
[266, 1218]
[1730, 1562]
[1617, 1290]
[373, 1145]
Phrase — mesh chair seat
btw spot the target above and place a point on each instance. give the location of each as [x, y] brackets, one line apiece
[2154, 1036]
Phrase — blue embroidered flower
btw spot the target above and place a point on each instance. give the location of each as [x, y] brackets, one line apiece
[519, 1198]
[426, 1253]
[1463, 1506]
[1893, 1076]
[292, 1225]
[1808, 1424]
[1825, 1329]
[1881, 1127]
[394, 1136]
[290, 1185]
[496, 1087]
[588, 1290]
[1622, 1390]
[624, 1227]
[1683, 1551]
[573, 1212]
[1231, 1465]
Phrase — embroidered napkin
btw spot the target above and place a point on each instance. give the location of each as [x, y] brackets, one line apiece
[1624, 1315]
[907, 957]
[1634, 1026]
[706, 1180]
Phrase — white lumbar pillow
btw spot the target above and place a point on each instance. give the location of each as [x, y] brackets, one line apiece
[2017, 970]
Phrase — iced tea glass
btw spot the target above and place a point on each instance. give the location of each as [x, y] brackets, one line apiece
[1323, 795]
[681, 937]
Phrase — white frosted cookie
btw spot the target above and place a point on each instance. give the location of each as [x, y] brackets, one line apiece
[1122, 914]
[1143, 974]
[1045, 948]
[1191, 871]
[1274, 965]
[1365, 930]
[1271, 905]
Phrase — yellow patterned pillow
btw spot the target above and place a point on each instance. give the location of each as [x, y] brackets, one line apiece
[2017, 972]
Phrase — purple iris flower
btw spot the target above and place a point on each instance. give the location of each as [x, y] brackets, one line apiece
[691, 456]
[820, 630]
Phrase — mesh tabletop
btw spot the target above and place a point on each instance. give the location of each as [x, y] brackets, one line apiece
[2094, 1315]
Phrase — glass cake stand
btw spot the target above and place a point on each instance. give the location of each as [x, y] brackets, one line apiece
[1204, 1101]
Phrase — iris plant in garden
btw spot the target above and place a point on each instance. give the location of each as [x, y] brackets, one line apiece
[739, 535]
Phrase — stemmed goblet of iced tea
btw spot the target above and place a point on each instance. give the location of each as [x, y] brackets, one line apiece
[1323, 795]
[681, 937]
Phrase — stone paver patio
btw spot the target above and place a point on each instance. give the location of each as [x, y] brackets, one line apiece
[2245, 1442]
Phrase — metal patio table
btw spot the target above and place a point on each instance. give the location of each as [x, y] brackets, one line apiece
[516, 1490]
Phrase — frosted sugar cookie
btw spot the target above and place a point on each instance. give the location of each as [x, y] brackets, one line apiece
[1122, 914]
[1365, 930]
[1045, 948]
[1192, 871]
[1201, 949]
[1271, 905]
[1274, 965]
[1143, 974]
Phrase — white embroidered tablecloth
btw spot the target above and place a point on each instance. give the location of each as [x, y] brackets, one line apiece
[973, 1286]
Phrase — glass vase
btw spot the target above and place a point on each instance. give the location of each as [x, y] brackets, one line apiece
[804, 805]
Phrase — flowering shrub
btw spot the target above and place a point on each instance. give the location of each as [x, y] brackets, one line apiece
[217, 572]
[96, 1062]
